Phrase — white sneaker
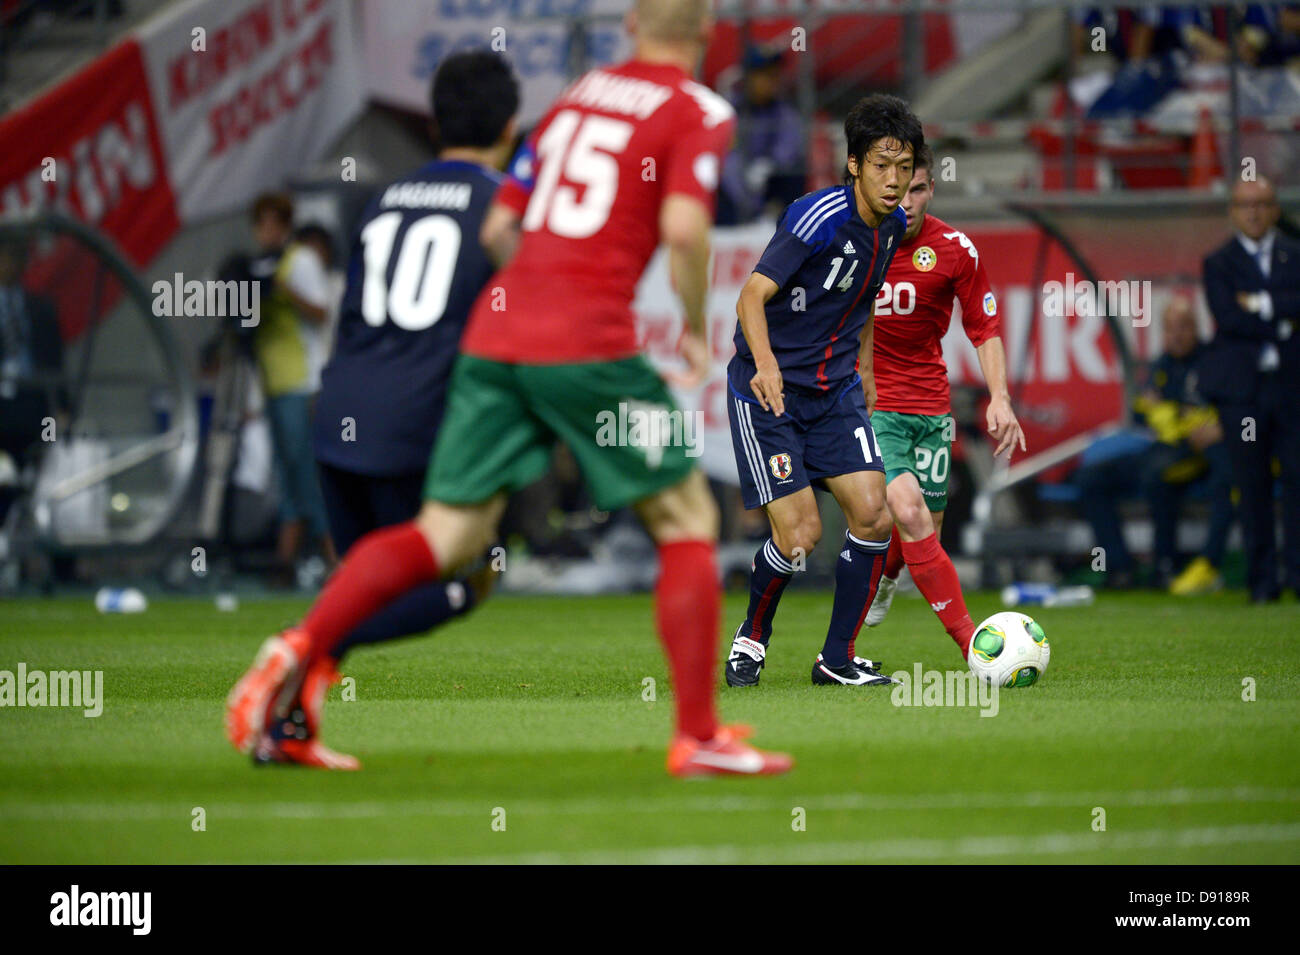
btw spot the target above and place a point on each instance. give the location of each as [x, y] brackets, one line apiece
[880, 606]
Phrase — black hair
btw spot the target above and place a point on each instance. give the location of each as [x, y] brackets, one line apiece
[315, 232]
[473, 96]
[876, 117]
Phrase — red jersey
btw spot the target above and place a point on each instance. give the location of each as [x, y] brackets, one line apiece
[588, 185]
[914, 309]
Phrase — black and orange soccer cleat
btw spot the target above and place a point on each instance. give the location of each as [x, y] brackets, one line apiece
[249, 703]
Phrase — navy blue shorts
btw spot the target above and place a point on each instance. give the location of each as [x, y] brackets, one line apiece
[360, 503]
[821, 435]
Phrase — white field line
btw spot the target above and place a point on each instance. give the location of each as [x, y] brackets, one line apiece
[668, 804]
[916, 850]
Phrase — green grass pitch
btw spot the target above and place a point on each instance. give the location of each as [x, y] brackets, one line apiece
[521, 734]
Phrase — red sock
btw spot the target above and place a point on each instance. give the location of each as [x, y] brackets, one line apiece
[380, 567]
[894, 559]
[936, 578]
[687, 614]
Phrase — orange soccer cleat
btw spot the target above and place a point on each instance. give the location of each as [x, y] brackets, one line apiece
[302, 752]
[249, 703]
[725, 754]
[291, 731]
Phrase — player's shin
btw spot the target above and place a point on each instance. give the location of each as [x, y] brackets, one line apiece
[687, 608]
[771, 572]
[936, 578]
[415, 612]
[857, 575]
[379, 568]
[894, 559]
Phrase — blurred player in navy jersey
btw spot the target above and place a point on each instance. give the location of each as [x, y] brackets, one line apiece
[798, 385]
[415, 269]
[628, 157]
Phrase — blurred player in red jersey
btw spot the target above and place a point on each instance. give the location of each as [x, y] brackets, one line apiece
[629, 156]
[911, 412]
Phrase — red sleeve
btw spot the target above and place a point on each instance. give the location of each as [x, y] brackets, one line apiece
[695, 157]
[979, 307]
[513, 195]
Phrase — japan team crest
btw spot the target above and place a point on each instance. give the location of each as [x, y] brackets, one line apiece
[780, 465]
[924, 259]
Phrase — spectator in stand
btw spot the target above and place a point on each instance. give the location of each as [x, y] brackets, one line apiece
[1269, 34]
[1178, 442]
[1155, 50]
[294, 309]
[320, 240]
[1193, 446]
[1252, 283]
[768, 164]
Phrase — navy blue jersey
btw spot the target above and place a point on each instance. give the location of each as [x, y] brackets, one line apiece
[415, 268]
[829, 265]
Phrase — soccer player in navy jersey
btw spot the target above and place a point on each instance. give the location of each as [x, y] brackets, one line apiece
[798, 385]
[415, 270]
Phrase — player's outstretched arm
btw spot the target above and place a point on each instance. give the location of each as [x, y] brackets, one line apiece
[767, 384]
[499, 234]
[866, 359]
[684, 224]
[1001, 419]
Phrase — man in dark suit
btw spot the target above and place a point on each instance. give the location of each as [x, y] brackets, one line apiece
[1253, 375]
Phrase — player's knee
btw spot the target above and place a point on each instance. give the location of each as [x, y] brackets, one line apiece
[701, 520]
[686, 511]
[871, 526]
[868, 517]
[798, 537]
[452, 534]
[881, 527]
[912, 517]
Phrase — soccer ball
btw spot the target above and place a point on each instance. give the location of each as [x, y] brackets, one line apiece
[1009, 649]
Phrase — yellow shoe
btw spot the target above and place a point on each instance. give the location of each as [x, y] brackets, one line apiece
[1198, 577]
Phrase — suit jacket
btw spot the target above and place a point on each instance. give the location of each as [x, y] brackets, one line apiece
[1230, 371]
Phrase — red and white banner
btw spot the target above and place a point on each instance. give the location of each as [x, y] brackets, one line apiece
[1064, 369]
[191, 116]
[91, 149]
[276, 82]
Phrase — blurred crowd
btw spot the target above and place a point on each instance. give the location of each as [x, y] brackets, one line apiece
[1164, 60]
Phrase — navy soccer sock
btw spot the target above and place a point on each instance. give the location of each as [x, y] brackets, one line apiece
[766, 583]
[415, 612]
[857, 575]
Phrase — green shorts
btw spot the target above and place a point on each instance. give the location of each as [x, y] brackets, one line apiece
[920, 444]
[503, 421]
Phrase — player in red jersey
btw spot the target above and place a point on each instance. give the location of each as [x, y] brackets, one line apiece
[911, 412]
[628, 157]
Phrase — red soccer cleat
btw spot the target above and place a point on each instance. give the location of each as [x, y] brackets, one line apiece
[725, 754]
[291, 730]
[320, 676]
[249, 703]
[302, 752]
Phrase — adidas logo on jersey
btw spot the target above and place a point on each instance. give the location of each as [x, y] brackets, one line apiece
[848, 248]
[845, 555]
